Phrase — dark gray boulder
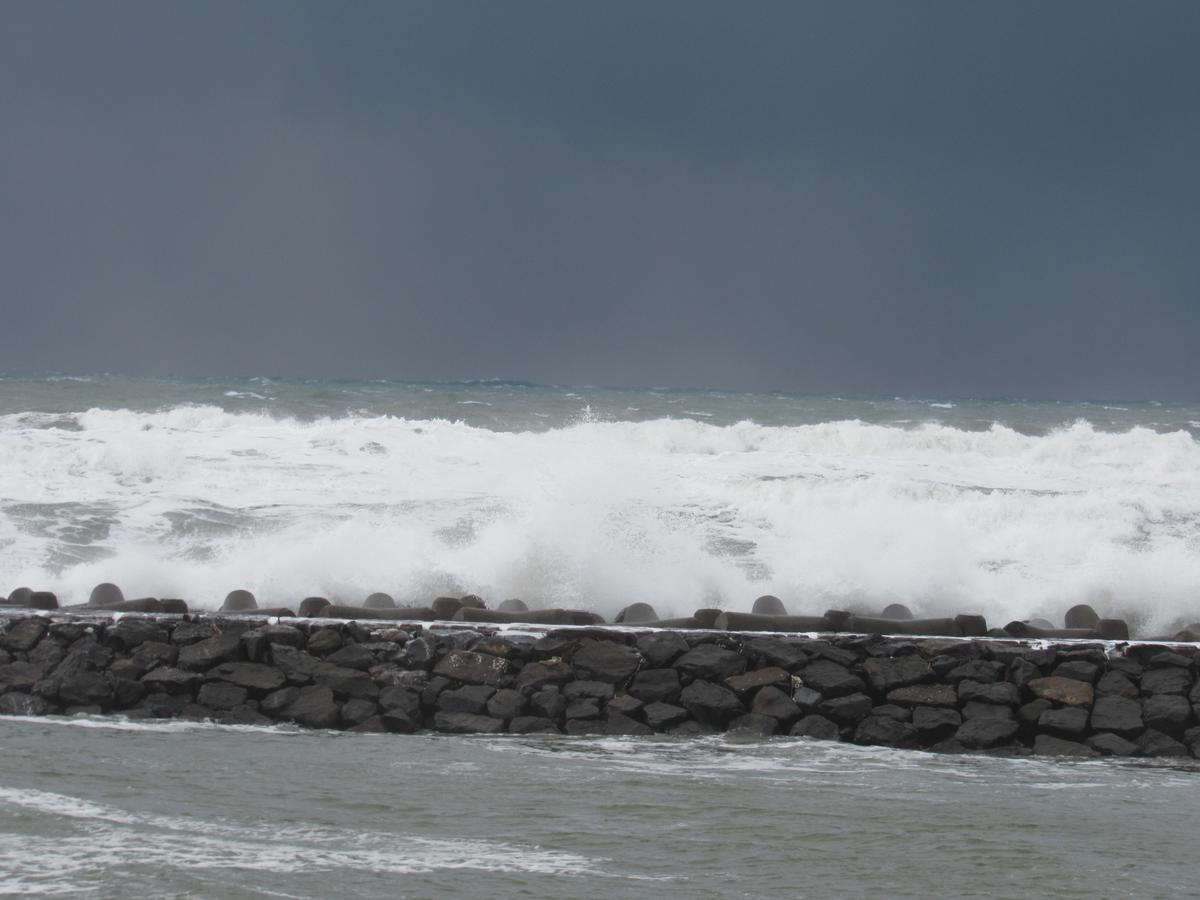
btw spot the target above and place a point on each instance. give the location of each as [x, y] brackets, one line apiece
[606, 661]
[712, 704]
[1169, 713]
[221, 695]
[471, 698]
[1119, 715]
[19, 675]
[1049, 745]
[313, 706]
[597, 690]
[817, 727]
[831, 679]
[975, 709]
[753, 725]
[401, 698]
[255, 677]
[23, 634]
[772, 651]
[661, 648]
[297, 666]
[352, 656]
[771, 701]
[710, 662]
[887, 732]
[1021, 672]
[935, 723]
[661, 716]
[356, 712]
[1170, 680]
[1116, 684]
[472, 668]
[656, 685]
[924, 695]
[1003, 693]
[885, 674]
[532, 725]
[466, 723]
[16, 703]
[131, 632]
[210, 652]
[535, 676]
[986, 732]
[1108, 744]
[583, 708]
[548, 703]
[981, 670]
[1069, 722]
[847, 710]
[506, 704]
[1154, 743]
[170, 680]
[749, 682]
[322, 641]
[1079, 669]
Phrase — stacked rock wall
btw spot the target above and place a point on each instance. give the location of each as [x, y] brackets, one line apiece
[1067, 698]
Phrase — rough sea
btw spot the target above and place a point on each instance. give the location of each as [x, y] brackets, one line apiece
[592, 498]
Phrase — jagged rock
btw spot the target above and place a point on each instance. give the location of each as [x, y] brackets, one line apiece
[210, 652]
[23, 634]
[171, 680]
[356, 712]
[1154, 743]
[1032, 711]
[126, 693]
[313, 706]
[419, 653]
[655, 685]
[754, 724]
[979, 710]
[709, 662]
[661, 716]
[1079, 669]
[257, 641]
[1108, 744]
[935, 723]
[606, 661]
[624, 704]
[887, 674]
[506, 704]
[352, 656]
[254, 676]
[1048, 745]
[511, 648]
[583, 708]
[466, 723]
[986, 732]
[1116, 684]
[1169, 713]
[472, 668]
[924, 695]
[297, 666]
[848, 709]
[998, 692]
[193, 632]
[712, 704]
[981, 670]
[153, 653]
[1117, 714]
[1166, 681]
[401, 698]
[1068, 722]
[86, 689]
[535, 676]
[398, 721]
[817, 727]
[597, 690]
[886, 731]
[1021, 672]
[471, 698]
[549, 703]
[346, 683]
[751, 681]
[783, 652]
[831, 679]
[17, 703]
[1068, 691]
[771, 701]
[132, 632]
[19, 676]
[892, 711]
[221, 695]
[661, 648]
[323, 641]
[532, 725]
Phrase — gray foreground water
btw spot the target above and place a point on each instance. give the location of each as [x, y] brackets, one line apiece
[105, 808]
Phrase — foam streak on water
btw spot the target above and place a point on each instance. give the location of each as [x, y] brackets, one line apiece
[677, 509]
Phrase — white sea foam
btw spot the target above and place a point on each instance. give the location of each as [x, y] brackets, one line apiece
[193, 501]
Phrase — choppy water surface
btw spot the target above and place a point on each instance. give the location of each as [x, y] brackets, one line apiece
[598, 498]
[101, 808]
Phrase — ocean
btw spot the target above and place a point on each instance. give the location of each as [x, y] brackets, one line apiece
[591, 498]
[598, 498]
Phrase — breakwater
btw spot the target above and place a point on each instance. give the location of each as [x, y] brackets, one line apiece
[1066, 698]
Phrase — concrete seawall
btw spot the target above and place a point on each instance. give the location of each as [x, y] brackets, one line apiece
[1062, 698]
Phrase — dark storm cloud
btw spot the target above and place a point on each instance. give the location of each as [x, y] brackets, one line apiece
[930, 198]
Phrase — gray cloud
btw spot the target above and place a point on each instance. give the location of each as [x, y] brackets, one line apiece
[935, 198]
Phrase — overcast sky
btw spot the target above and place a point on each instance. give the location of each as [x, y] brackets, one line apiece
[931, 198]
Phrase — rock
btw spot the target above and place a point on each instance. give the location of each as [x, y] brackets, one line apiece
[711, 663]
[831, 679]
[661, 648]
[549, 703]
[977, 710]
[999, 692]
[1168, 713]
[47, 654]
[352, 656]
[624, 704]
[661, 716]
[935, 723]
[132, 632]
[1032, 711]
[1154, 743]
[153, 653]
[1117, 714]
[345, 683]
[310, 607]
[786, 653]
[817, 727]
[636, 613]
[313, 706]
[419, 653]
[1166, 681]
[981, 670]
[379, 600]
[805, 697]
[171, 680]
[221, 695]
[322, 641]
[23, 634]
[768, 605]
[924, 695]
[356, 712]
[847, 710]
[399, 722]
[1108, 744]
[253, 676]
[890, 710]
[1116, 684]
[886, 731]
[127, 693]
[506, 704]
[105, 594]
[471, 698]
[1078, 669]
[751, 681]
[297, 666]
[986, 732]
[583, 708]
[16, 703]
[771, 701]
[472, 668]
[606, 661]
[19, 676]
[1068, 722]
[466, 723]
[239, 601]
[1048, 745]
[534, 676]
[711, 704]
[1068, 691]
[1021, 672]
[656, 685]
[886, 674]
[401, 698]
[210, 652]
[86, 689]
[531, 724]
[597, 690]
